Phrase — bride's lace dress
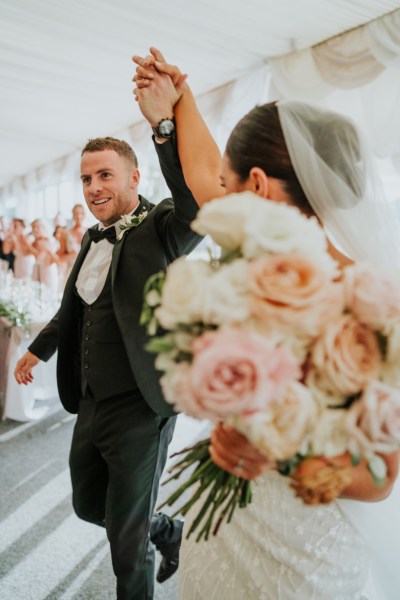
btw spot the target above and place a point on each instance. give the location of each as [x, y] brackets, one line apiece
[277, 549]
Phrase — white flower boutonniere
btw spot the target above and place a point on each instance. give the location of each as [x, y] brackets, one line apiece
[128, 222]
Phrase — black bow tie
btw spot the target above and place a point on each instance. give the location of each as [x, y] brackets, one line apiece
[95, 235]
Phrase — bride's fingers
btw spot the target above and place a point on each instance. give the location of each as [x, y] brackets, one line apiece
[233, 438]
[141, 83]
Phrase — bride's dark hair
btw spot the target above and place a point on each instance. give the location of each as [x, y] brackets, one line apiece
[258, 141]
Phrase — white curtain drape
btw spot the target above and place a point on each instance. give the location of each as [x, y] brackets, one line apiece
[358, 73]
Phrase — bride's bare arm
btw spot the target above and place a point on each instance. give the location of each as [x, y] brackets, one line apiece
[198, 151]
[362, 486]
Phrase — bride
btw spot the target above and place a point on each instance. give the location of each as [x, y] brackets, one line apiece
[279, 548]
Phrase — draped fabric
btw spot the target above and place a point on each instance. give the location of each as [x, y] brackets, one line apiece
[358, 73]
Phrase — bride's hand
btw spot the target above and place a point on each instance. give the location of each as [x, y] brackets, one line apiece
[232, 451]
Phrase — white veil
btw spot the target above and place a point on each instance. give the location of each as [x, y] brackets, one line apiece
[337, 174]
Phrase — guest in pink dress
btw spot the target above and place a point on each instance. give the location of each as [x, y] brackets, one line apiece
[44, 248]
[69, 240]
[20, 244]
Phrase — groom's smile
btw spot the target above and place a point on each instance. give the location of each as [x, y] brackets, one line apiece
[109, 185]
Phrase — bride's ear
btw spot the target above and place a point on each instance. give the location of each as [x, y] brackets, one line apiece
[258, 181]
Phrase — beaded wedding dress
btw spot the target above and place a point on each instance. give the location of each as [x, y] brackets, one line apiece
[281, 549]
[278, 548]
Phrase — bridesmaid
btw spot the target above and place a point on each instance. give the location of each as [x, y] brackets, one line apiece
[19, 244]
[44, 249]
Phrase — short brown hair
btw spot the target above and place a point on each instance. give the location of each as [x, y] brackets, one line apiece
[109, 143]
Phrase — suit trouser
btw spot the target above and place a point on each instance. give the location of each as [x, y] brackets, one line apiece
[118, 452]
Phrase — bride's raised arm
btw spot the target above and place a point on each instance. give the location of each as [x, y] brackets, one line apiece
[198, 151]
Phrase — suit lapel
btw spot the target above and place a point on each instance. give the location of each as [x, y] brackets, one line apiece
[143, 205]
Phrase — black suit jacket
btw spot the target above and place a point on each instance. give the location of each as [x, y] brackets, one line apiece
[162, 237]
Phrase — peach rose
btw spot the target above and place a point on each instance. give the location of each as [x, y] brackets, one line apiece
[293, 292]
[373, 297]
[373, 421]
[232, 372]
[279, 431]
[347, 356]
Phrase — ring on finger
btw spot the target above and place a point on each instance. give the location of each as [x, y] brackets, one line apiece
[239, 465]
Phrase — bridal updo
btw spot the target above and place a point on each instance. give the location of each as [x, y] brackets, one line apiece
[258, 140]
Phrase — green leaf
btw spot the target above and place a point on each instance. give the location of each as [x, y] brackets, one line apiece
[160, 344]
[378, 469]
[221, 492]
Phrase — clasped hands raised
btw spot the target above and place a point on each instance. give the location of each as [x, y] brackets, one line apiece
[159, 86]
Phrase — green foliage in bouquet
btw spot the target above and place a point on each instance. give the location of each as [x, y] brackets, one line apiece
[223, 492]
[152, 299]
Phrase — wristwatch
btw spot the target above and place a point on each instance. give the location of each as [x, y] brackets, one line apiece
[164, 129]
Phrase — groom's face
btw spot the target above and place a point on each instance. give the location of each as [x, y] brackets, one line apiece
[109, 183]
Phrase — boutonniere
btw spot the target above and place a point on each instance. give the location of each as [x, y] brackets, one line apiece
[128, 222]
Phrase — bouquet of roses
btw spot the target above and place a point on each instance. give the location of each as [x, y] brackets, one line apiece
[273, 339]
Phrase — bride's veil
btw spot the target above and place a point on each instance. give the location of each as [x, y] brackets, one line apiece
[337, 174]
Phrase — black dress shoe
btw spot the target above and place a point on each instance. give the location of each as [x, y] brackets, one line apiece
[169, 562]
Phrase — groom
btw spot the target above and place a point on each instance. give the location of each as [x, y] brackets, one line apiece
[104, 373]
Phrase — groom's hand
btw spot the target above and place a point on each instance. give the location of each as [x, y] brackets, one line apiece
[159, 87]
[23, 369]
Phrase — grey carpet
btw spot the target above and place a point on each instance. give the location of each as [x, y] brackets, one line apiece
[46, 552]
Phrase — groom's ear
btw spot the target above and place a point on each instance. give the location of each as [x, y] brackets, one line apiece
[258, 181]
[135, 178]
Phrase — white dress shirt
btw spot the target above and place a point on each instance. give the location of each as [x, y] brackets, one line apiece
[93, 272]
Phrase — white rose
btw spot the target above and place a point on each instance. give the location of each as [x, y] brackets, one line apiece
[223, 219]
[282, 229]
[323, 393]
[227, 297]
[183, 293]
[330, 436]
[279, 431]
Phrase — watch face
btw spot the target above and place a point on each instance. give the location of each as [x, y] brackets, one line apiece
[166, 127]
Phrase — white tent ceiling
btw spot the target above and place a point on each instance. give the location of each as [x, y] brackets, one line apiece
[65, 68]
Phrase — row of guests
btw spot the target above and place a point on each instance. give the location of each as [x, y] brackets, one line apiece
[40, 255]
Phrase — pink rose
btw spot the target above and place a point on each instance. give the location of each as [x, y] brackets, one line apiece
[373, 297]
[293, 292]
[373, 421]
[347, 356]
[233, 372]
